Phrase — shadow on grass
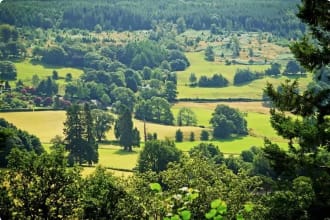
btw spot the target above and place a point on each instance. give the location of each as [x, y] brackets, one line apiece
[123, 152]
[109, 142]
[230, 139]
[45, 65]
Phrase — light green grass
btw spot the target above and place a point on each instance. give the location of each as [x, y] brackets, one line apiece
[259, 126]
[47, 124]
[203, 115]
[25, 71]
[115, 157]
[201, 67]
[258, 122]
[231, 146]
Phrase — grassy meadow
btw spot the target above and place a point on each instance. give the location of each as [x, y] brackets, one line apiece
[47, 124]
[26, 69]
[200, 67]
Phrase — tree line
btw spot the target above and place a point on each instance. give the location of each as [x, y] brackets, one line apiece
[127, 15]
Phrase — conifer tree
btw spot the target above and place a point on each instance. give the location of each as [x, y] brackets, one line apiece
[124, 132]
[310, 157]
[79, 135]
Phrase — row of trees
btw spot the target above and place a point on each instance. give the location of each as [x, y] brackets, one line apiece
[217, 80]
[292, 68]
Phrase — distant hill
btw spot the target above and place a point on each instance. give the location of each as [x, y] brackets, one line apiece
[277, 16]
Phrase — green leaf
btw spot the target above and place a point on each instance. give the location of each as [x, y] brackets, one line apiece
[211, 214]
[248, 207]
[155, 187]
[176, 217]
[222, 208]
[185, 215]
[215, 203]
[239, 217]
[218, 217]
[194, 196]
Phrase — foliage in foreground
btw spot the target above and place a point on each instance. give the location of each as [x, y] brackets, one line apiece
[306, 164]
[10, 137]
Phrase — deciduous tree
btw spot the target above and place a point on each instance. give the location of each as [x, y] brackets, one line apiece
[156, 155]
[102, 122]
[186, 117]
[42, 186]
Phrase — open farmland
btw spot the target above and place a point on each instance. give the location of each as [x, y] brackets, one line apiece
[252, 90]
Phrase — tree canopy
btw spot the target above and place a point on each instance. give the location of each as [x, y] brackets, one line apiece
[12, 137]
[156, 155]
[302, 164]
[226, 121]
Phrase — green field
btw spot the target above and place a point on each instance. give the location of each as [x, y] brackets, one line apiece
[231, 146]
[201, 67]
[47, 124]
[26, 69]
[258, 119]
[115, 157]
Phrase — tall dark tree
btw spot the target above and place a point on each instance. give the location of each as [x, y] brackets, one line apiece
[79, 137]
[91, 154]
[192, 79]
[308, 157]
[178, 136]
[314, 53]
[124, 130]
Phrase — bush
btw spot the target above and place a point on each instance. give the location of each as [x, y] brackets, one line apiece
[244, 76]
[192, 136]
[217, 80]
[204, 135]
[178, 136]
[274, 70]
[226, 121]
[156, 155]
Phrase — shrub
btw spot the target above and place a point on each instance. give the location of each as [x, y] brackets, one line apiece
[244, 76]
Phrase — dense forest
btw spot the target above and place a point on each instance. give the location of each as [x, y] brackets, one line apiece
[277, 16]
[137, 77]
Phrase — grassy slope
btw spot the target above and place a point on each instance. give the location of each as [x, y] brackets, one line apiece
[25, 71]
[201, 67]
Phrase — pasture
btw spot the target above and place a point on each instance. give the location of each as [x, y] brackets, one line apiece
[26, 69]
[47, 124]
[252, 90]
